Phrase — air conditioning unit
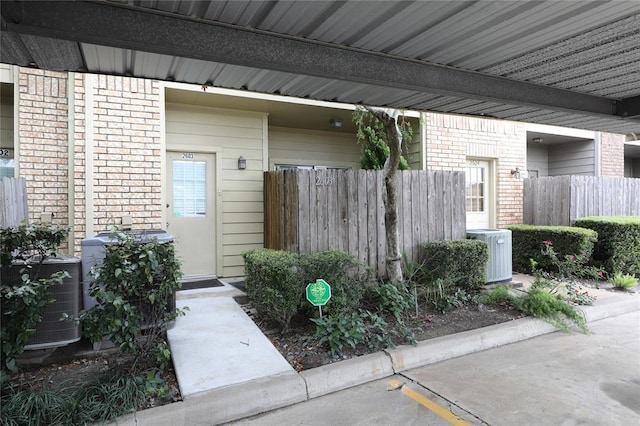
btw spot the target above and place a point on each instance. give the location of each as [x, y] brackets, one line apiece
[51, 332]
[499, 245]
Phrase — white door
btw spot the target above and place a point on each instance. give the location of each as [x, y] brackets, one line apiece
[477, 194]
[191, 210]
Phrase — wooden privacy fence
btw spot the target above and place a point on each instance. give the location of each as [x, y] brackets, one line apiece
[307, 211]
[562, 199]
[13, 201]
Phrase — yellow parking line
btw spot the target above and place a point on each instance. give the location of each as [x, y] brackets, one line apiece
[430, 405]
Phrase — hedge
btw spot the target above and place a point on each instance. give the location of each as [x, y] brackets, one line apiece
[273, 283]
[527, 244]
[276, 281]
[459, 262]
[618, 246]
[344, 273]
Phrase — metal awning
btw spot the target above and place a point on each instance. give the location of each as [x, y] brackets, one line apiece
[566, 63]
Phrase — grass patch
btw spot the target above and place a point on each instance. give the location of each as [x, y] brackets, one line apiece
[98, 401]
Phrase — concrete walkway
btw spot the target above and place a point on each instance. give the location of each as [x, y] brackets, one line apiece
[227, 369]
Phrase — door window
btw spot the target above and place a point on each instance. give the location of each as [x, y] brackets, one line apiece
[189, 188]
[475, 194]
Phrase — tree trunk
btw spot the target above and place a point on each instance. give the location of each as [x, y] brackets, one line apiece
[394, 139]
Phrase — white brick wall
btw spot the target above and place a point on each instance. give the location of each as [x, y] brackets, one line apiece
[611, 155]
[125, 123]
[43, 141]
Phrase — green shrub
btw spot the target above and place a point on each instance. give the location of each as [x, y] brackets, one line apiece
[618, 246]
[361, 327]
[460, 263]
[625, 281]
[344, 273]
[23, 300]
[527, 245]
[540, 303]
[274, 283]
[497, 294]
[394, 299]
[134, 288]
[338, 331]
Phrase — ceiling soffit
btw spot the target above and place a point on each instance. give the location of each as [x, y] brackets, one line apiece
[92, 36]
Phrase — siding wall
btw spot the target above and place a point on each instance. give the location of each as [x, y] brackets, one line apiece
[451, 139]
[538, 159]
[232, 134]
[575, 158]
[632, 167]
[313, 148]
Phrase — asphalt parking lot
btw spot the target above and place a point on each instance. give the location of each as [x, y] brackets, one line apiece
[554, 379]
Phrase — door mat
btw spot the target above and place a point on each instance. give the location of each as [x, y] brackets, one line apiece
[206, 283]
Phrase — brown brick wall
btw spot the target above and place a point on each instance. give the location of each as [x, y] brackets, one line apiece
[611, 155]
[451, 139]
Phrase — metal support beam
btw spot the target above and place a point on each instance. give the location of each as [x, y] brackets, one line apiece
[629, 108]
[126, 27]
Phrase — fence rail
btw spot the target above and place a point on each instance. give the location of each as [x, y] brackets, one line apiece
[13, 201]
[562, 199]
[315, 210]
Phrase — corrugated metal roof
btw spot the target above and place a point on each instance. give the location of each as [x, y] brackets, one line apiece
[590, 47]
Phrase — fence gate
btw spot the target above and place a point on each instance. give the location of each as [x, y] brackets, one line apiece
[307, 211]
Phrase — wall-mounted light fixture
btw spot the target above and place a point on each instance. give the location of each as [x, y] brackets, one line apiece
[537, 140]
[336, 123]
[516, 172]
[242, 163]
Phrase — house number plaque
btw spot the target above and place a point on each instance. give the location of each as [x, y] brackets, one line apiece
[324, 181]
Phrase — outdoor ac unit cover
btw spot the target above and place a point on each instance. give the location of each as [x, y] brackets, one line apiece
[499, 245]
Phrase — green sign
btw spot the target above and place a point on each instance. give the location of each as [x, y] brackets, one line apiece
[318, 293]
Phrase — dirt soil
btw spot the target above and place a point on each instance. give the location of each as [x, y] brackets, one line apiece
[76, 363]
[302, 349]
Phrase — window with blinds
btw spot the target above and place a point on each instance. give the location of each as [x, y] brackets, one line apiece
[189, 188]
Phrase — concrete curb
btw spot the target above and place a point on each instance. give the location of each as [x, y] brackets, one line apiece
[262, 395]
[345, 374]
[459, 344]
[611, 307]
